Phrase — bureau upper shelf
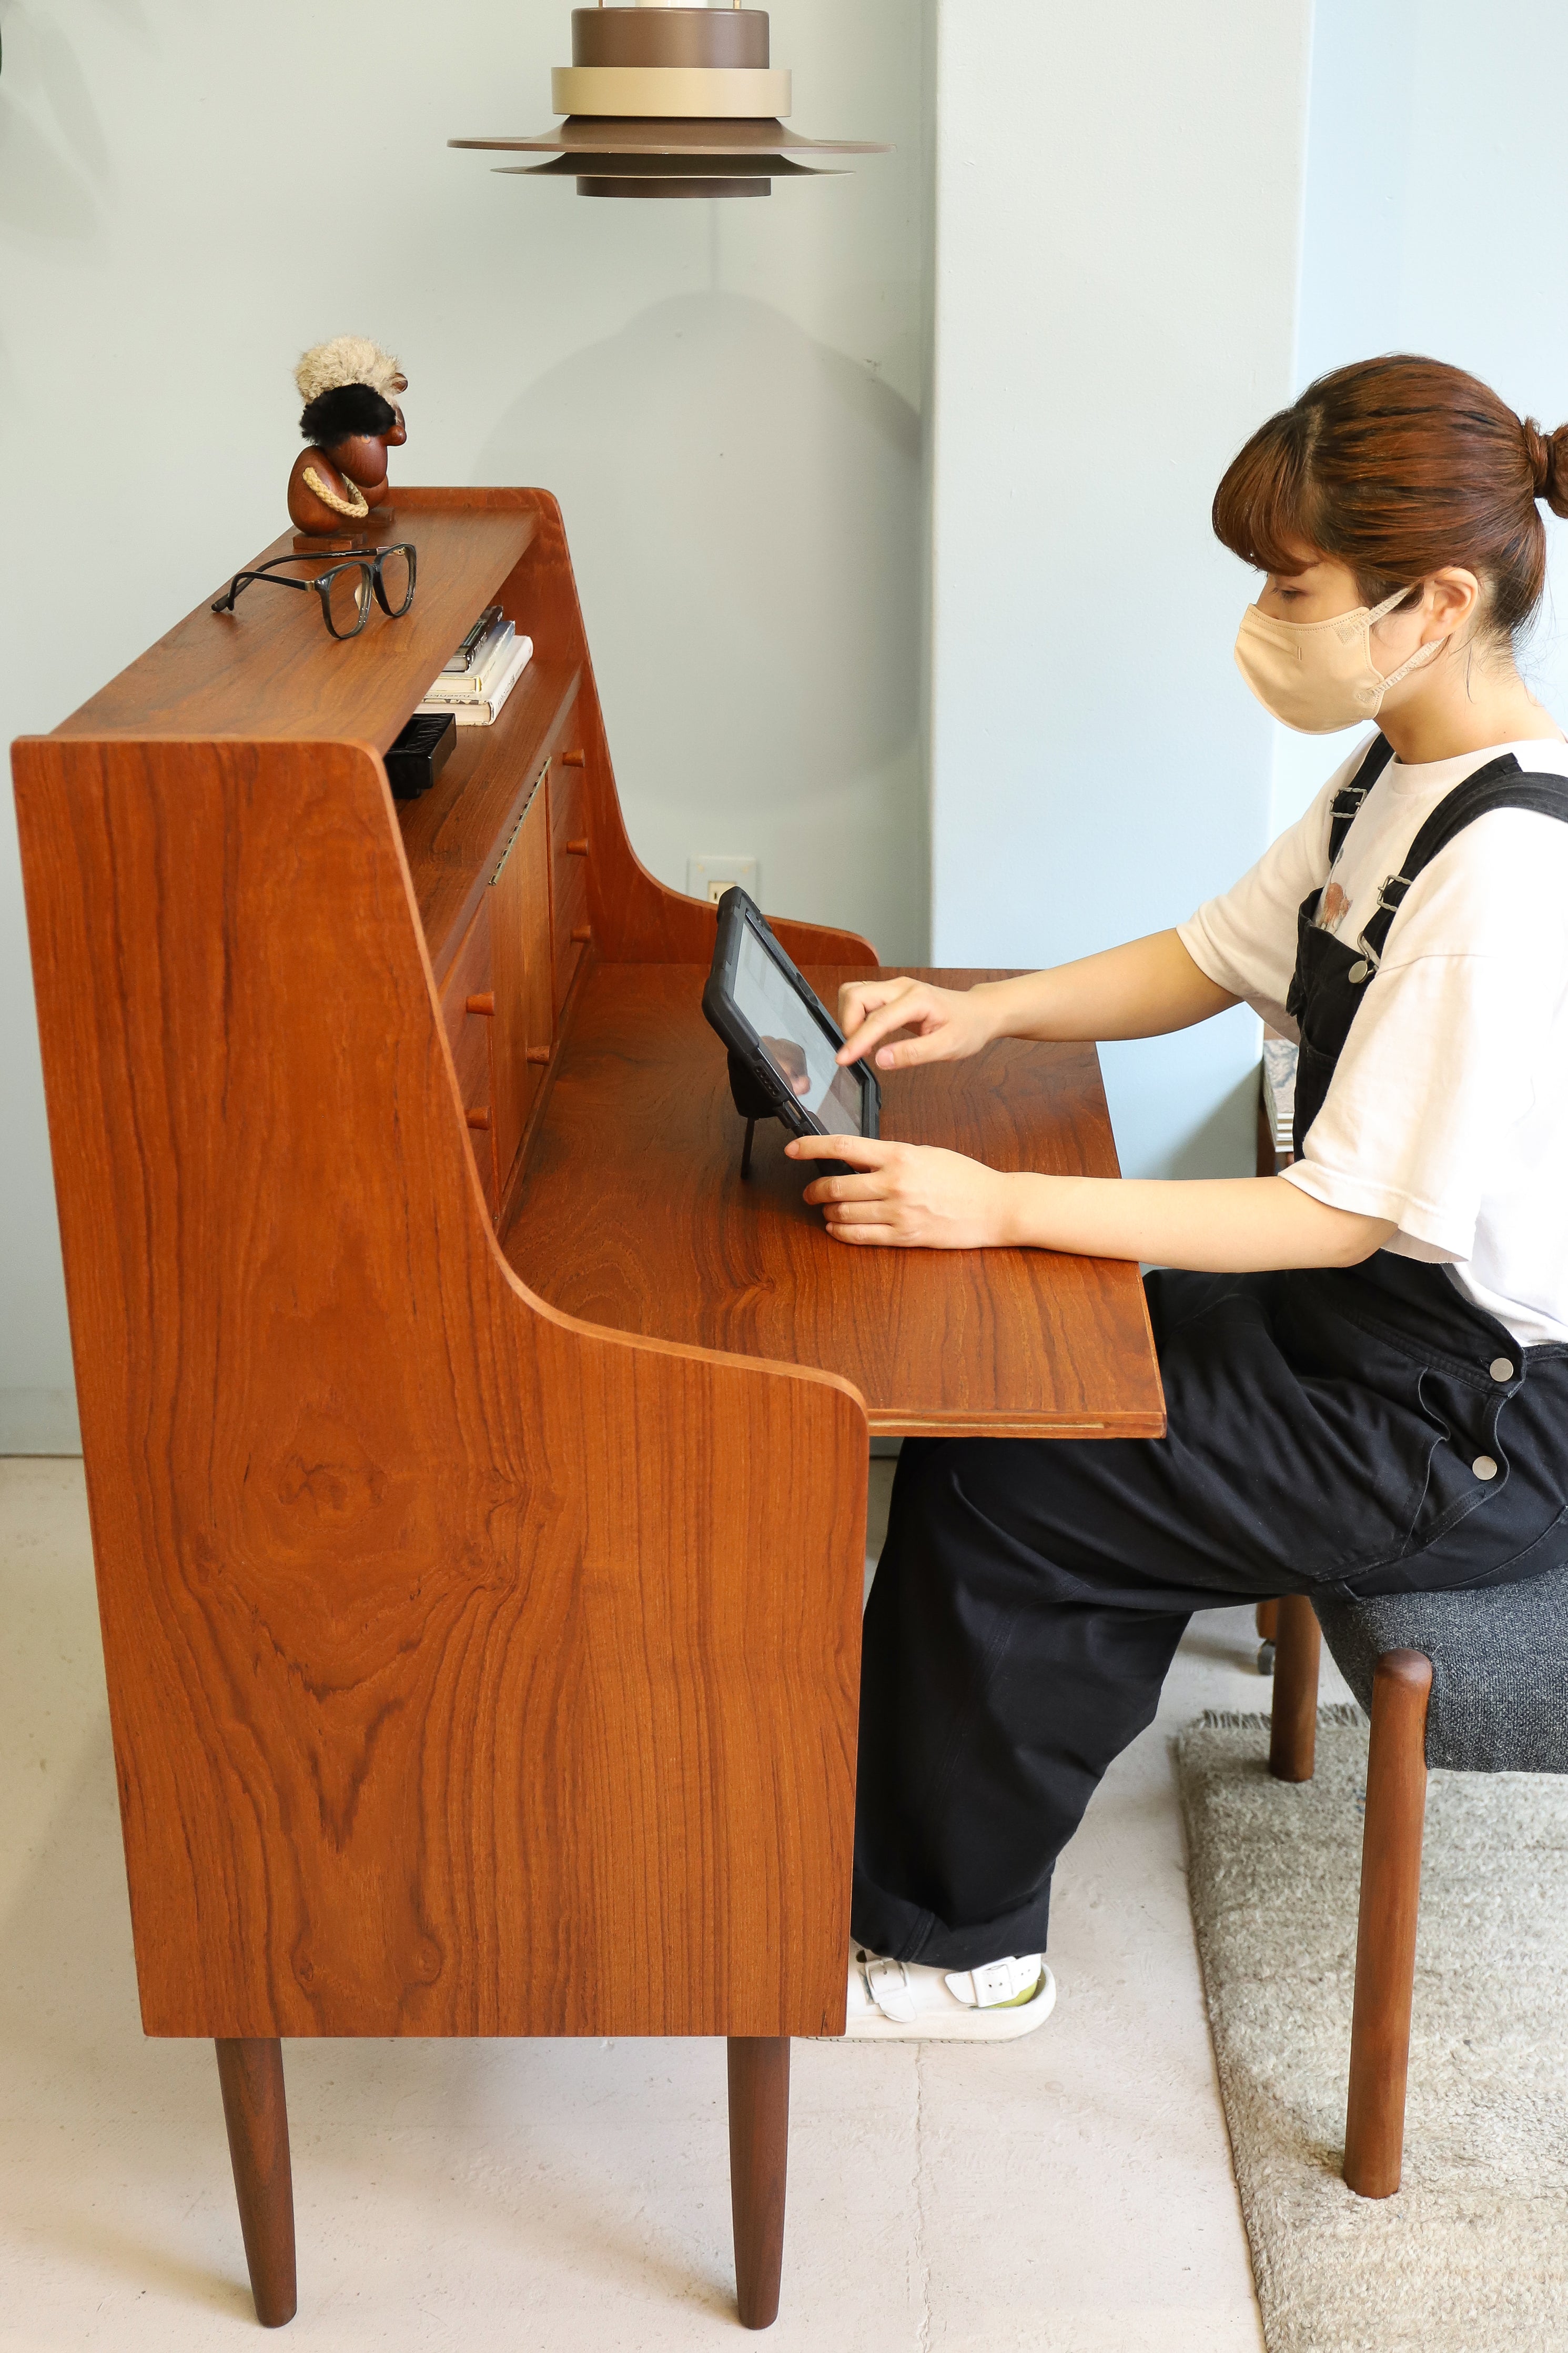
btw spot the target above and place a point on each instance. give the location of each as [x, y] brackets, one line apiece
[271, 670]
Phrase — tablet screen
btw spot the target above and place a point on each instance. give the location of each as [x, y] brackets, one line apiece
[799, 1049]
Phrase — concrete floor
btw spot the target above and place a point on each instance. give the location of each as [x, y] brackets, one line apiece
[1071, 2193]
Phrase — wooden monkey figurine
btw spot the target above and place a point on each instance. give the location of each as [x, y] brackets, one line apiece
[350, 419]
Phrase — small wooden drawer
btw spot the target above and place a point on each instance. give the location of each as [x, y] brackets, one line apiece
[570, 850]
[467, 1001]
[567, 797]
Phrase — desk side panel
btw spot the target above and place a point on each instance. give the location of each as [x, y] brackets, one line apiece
[470, 1672]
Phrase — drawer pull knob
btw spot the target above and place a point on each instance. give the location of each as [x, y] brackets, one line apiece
[484, 1003]
[574, 759]
[582, 932]
[578, 849]
[479, 1116]
[539, 1053]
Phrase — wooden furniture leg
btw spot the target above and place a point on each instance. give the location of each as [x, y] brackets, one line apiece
[1385, 1941]
[251, 2074]
[759, 2153]
[1293, 1736]
[1266, 1618]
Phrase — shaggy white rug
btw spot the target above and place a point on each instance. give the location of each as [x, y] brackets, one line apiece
[1472, 2254]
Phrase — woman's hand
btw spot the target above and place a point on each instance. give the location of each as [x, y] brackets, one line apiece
[948, 1023]
[910, 1194]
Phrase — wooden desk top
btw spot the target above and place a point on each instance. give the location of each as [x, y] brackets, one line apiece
[633, 1213]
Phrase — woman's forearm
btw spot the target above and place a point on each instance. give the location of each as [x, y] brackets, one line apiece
[1141, 990]
[1226, 1225]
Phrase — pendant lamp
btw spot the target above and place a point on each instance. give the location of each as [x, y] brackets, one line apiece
[665, 101]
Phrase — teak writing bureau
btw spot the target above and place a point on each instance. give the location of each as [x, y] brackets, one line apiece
[481, 1658]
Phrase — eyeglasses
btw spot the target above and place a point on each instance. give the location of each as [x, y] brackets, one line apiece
[346, 589]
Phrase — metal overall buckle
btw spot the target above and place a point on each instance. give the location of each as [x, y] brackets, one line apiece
[1369, 958]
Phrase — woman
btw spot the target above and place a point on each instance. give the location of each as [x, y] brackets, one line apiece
[1365, 1360]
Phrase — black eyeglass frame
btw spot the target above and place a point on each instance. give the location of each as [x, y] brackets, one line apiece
[369, 564]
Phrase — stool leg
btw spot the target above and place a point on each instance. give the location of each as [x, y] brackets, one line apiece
[251, 2074]
[1385, 1941]
[759, 2154]
[1266, 1618]
[1293, 1736]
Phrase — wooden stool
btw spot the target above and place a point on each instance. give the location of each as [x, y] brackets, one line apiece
[1473, 1681]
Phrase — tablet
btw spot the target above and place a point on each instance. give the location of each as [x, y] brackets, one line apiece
[780, 1032]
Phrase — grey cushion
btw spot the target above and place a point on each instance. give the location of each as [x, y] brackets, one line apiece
[1500, 1668]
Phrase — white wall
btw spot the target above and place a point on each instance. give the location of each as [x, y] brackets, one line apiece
[1118, 214]
[1437, 187]
[725, 396]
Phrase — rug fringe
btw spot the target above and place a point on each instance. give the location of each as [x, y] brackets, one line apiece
[1343, 1711]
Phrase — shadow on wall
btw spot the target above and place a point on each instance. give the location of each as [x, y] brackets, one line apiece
[39, 192]
[757, 495]
[43, 191]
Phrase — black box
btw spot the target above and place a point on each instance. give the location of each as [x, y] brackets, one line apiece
[420, 753]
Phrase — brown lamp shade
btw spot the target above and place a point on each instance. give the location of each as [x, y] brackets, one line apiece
[689, 93]
[625, 175]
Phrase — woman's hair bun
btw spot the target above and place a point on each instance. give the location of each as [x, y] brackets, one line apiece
[1548, 456]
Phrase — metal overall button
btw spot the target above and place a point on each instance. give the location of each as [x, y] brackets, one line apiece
[1484, 1467]
[1501, 1368]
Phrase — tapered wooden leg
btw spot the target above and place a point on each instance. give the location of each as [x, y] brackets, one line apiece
[1293, 1736]
[1385, 1942]
[759, 2154]
[251, 2074]
[1266, 1618]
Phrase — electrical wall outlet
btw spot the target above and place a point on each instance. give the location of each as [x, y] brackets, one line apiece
[710, 878]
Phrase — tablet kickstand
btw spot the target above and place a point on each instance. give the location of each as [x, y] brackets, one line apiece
[753, 1101]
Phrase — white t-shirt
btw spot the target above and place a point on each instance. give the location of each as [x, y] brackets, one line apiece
[1449, 1108]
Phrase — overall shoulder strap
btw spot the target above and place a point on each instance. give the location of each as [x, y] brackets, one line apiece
[1501, 783]
[1350, 797]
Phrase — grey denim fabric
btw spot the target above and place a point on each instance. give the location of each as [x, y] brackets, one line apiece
[1499, 1666]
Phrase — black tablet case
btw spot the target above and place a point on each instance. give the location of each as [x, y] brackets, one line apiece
[758, 1090]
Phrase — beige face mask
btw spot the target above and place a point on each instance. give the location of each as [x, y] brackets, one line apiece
[1319, 676]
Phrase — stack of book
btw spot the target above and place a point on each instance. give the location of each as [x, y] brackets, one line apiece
[476, 681]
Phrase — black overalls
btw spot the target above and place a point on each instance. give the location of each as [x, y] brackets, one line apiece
[1365, 1430]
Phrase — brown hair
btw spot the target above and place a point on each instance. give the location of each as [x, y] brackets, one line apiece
[1396, 466]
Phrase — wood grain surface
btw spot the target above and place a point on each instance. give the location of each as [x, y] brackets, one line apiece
[255, 2111]
[633, 1213]
[472, 1671]
[270, 669]
[1385, 1933]
[759, 2170]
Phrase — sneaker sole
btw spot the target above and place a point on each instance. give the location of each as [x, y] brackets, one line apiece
[957, 2025]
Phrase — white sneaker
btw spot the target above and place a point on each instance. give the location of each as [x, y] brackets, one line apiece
[901, 2001]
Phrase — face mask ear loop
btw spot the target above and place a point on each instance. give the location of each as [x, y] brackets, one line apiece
[1423, 654]
[1388, 604]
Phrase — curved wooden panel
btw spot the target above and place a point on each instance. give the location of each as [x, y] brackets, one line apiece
[472, 1671]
